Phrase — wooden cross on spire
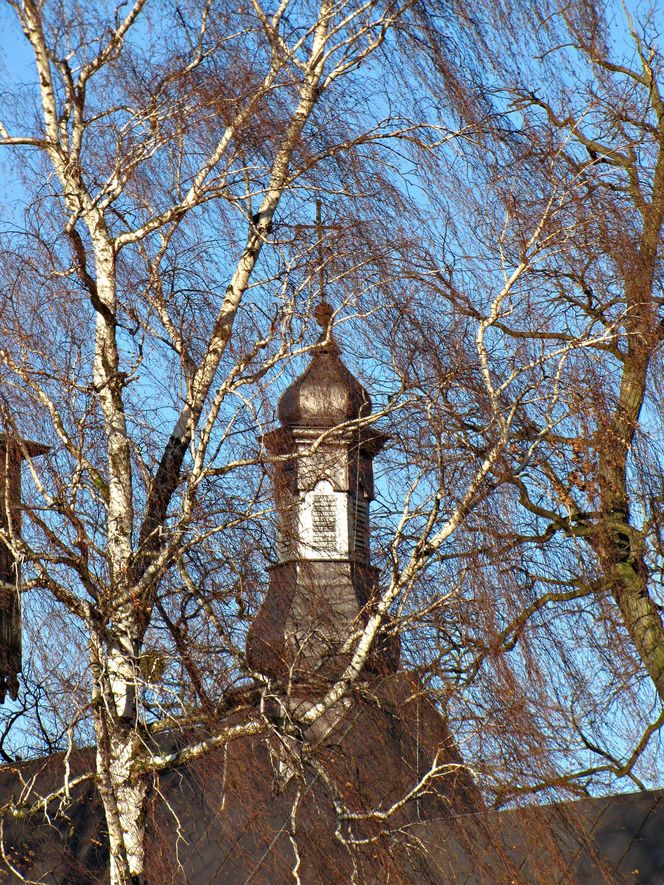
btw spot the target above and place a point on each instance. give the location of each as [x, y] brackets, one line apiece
[324, 312]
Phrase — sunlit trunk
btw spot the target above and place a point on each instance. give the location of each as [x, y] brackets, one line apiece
[124, 794]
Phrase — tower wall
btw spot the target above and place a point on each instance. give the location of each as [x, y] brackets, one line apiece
[310, 610]
[10, 601]
[12, 452]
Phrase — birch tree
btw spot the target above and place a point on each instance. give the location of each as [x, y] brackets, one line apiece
[159, 142]
[494, 256]
[568, 563]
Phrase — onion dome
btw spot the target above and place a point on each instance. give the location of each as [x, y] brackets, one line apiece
[326, 394]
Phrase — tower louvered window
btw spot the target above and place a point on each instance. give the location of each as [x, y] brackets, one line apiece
[324, 522]
[360, 528]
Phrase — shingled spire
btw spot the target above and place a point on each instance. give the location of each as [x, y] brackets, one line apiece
[12, 452]
[323, 583]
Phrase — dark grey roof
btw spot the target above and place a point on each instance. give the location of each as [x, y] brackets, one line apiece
[226, 818]
[615, 839]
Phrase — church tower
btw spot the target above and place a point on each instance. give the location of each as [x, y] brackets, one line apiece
[322, 584]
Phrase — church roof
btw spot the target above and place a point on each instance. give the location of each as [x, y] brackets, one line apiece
[227, 818]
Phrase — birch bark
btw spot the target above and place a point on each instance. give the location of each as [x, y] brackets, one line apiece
[337, 38]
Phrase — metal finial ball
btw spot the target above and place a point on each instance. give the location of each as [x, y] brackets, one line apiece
[323, 314]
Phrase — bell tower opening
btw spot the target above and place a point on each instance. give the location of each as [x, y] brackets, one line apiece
[321, 525]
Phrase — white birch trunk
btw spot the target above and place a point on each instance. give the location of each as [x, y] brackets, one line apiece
[124, 794]
[123, 612]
